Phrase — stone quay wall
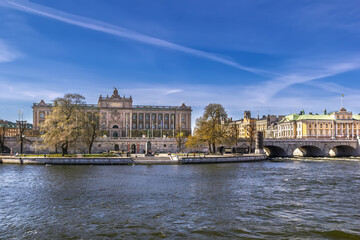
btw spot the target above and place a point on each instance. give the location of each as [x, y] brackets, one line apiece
[67, 161]
[230, 159]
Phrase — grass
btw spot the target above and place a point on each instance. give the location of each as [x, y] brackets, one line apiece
[101, 155]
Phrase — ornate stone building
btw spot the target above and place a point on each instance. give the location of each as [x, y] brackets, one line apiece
[119, 118]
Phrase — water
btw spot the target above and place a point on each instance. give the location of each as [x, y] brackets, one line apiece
[262, 200]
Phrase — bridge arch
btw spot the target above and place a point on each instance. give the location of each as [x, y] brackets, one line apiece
[275, 151]
[308, 151]
[5, 149]
[343, 151]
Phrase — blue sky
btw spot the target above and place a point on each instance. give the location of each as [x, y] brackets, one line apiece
[276, 57]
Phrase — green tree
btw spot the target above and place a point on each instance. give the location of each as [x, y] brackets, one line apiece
[208, 129]
[64, 125]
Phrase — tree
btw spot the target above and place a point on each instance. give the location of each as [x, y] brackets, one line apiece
[250, 130]
[208, 129]
[21, 136]
[90, 129]
[180, 140]
[2, 135]
[64, 125]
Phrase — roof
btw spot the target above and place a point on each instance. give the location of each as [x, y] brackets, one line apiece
[297, 117]
[315, 117]
[9, 124]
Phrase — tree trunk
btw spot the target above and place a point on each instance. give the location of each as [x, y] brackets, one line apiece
[64, 148]
[214, 147]
[90, 146]
[21, 145]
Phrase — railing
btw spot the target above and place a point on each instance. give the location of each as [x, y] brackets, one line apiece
[309, 139]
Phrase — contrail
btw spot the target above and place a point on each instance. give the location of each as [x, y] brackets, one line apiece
[37, 9]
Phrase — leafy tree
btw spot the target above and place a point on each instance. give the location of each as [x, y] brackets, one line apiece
[90, 129]
[64, 125]
[208, 129]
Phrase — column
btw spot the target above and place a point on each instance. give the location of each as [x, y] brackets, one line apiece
[352, 130]
[341, 129]
[130, 123]
[137, 120]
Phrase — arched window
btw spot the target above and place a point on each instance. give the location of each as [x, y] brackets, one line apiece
[116, 148]
[115, 134]
[115, 126]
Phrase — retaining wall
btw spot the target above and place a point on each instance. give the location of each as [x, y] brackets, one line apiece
[68, 161]
[250, 158]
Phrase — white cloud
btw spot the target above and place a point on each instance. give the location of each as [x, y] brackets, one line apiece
[7, 53]
[24, 91]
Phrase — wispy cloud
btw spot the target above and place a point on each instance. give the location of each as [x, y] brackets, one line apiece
[83, 22]
[265, 91]
[7, 53]
[21, 91]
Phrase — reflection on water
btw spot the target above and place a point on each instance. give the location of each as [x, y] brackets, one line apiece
[278, 199]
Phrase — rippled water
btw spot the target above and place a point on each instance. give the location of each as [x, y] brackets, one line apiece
[278, 200]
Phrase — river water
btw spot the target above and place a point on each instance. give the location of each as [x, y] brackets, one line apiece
[306, 199]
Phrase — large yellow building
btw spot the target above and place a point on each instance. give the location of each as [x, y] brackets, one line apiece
[120, 118]
[339, 124]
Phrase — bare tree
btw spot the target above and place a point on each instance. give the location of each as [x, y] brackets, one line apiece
[250, 130]
[90, 129]
[2, 135]
[21, 124]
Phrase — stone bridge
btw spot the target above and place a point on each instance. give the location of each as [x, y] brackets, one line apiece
[311, 148]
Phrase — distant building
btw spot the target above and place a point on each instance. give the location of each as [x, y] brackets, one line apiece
[339, 124]
[119, 118]
[264, 124]
[12, 130]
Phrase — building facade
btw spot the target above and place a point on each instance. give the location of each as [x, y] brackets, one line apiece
[119, 118]
[11, 129]
[339, 124]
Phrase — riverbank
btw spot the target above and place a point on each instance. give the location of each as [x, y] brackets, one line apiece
[137, 160]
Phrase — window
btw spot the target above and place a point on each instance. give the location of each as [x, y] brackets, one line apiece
[160, 117]
[41, 115]
[134, 116]
[140, 116]
[166, 117]
[140, 126]
[115, 134]
[134, 126]
[115, 126]
[166, 126]
[320, 125]
[153, 116]
[183, 117]
[147, 126]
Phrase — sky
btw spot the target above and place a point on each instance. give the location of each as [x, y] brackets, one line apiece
[270, 57]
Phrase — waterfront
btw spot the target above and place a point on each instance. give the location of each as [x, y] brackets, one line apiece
[269, 199]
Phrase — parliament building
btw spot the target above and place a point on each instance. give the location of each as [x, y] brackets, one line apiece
[119, 118]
